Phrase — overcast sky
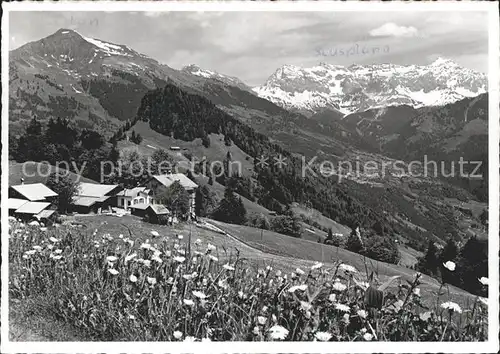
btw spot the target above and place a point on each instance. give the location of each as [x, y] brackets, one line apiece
[251, 46]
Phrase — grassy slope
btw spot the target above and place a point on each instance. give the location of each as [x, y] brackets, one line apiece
[294, 249]
[322, 220]
[37, 173]
[215, 152]
[30, 322]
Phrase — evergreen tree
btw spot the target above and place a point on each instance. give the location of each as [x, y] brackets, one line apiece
[354, 242]
[31, 145]
[205, 141]
[91, 140]
[472, 264]
[448, 253]
[175, 198]
[161, 162]
[138, 139]
[205, 202]
[330, 235]
[230, 208]
[484, 217]
[65, 188]
[429, 263]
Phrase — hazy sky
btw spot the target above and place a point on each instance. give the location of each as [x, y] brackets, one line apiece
[251, 46]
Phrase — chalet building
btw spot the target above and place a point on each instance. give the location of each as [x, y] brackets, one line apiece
[28, 201]
[138, 195]
[94, 198]
[152, 212]
[156, 183]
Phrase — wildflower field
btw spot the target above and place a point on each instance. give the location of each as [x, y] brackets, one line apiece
[162, 285]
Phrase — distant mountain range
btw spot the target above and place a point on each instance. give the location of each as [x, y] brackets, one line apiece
[361, 87]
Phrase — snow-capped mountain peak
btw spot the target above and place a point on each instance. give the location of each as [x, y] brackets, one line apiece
[440, 61]
[360, 87]
[194, 69]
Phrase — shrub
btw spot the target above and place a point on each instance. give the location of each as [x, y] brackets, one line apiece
[287, 225]
[382, 249]
[259, 221]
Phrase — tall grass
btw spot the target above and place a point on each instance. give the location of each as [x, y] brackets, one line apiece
[116, 287]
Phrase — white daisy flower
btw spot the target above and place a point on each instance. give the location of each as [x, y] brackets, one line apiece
[317, 265]
[211, 247]
[306, 306]
[228, 267]
[449, 265]
[368, 336]
[482, 280]
[451, 306]
[156, 259]
[338, 286]
[299, 271]
[294, 288]
[342, 307]
[348, 268]
[177, 334]
[278, 332]
[133, 278]
[151, 280]
[179, 259]
[130, 257]
[332, 297]
[197, 242]
[261, 320]
[199, 295]
[362, 314]
[323, 336]
[110, 258]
